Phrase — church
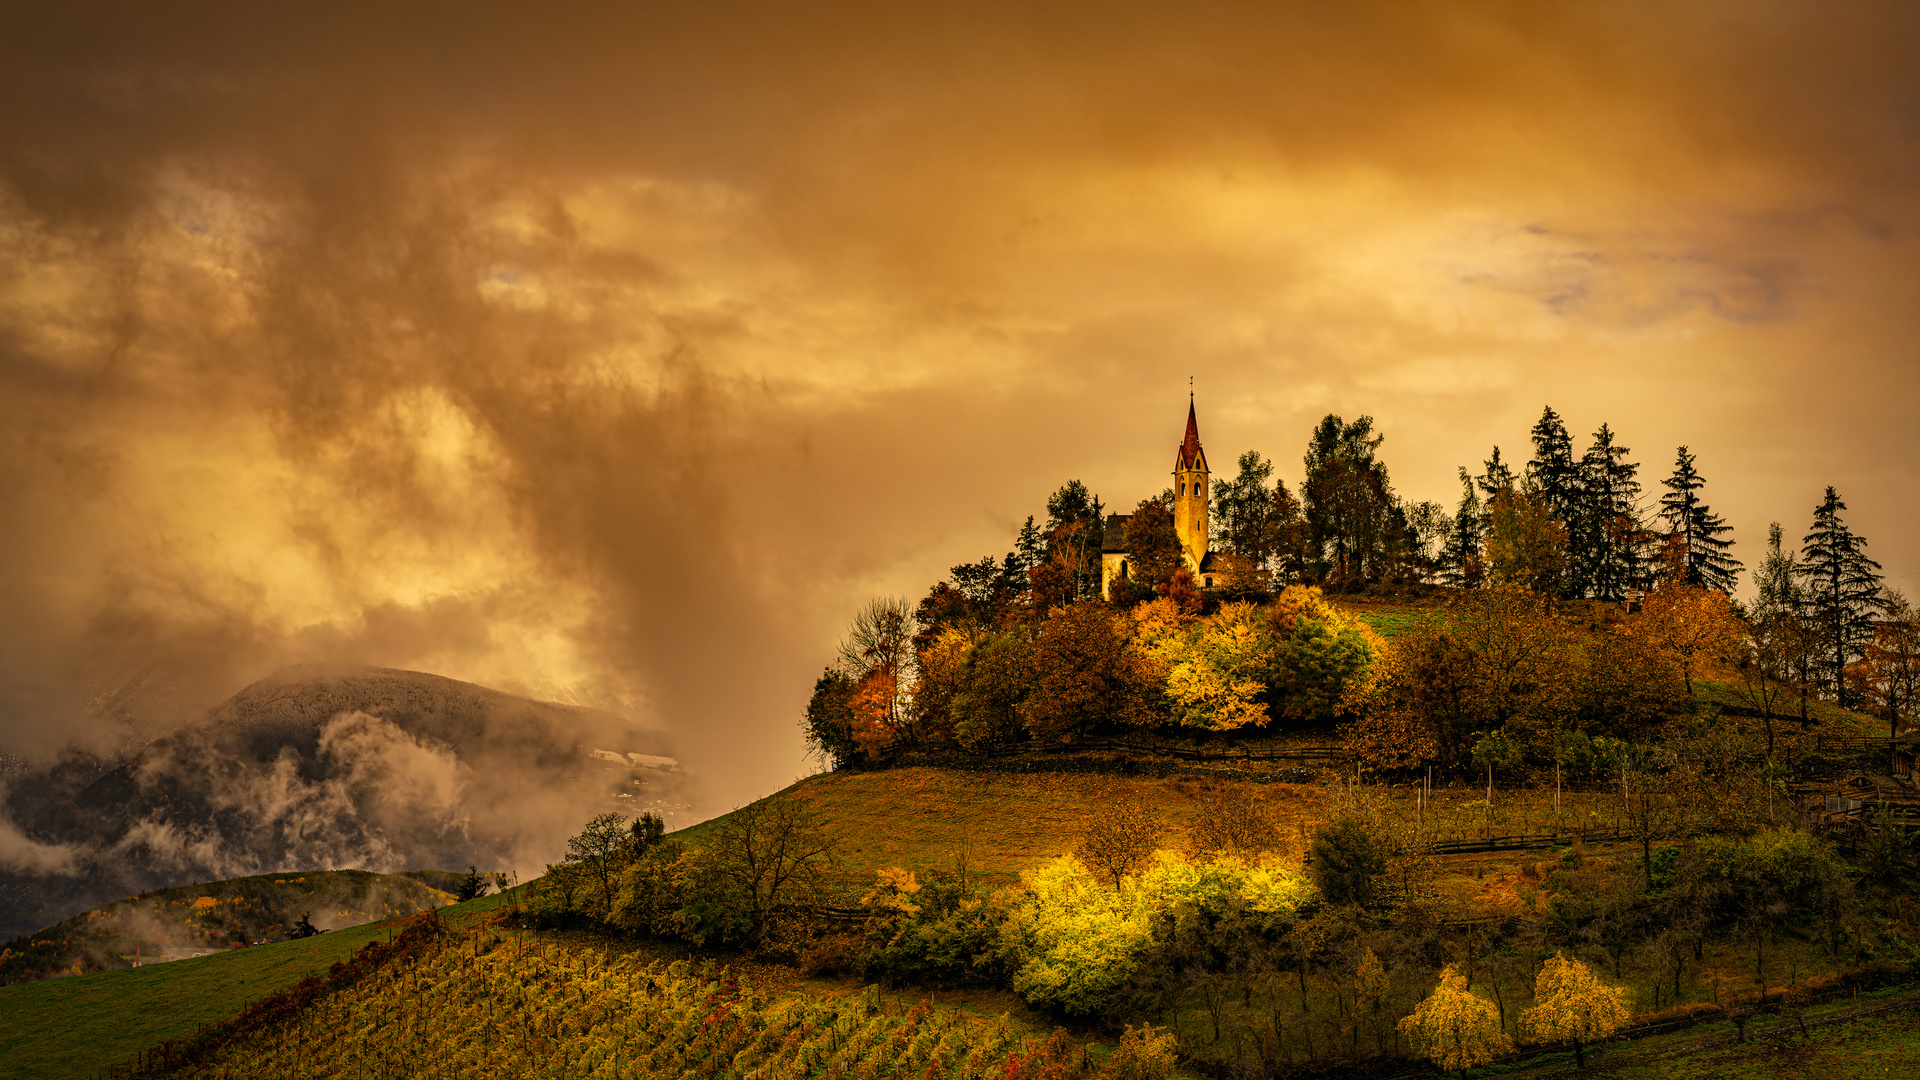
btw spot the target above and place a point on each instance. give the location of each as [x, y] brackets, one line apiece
[1190, 493]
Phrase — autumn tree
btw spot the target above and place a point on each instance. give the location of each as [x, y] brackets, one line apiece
[1695, 626]
[878, 656]
[1628, 683]
[1117, 838]
[775, 852]
[1698, 534]
[1074, 535]
[1287, 536]
[1571, 1003]
[598, 853]
[1842, 592]
[1234, 820]
[1526, 543]
[988, 692]
[1455, 1029]
[1520, 662]
[1416, 706]
[1153, 548]
[1890, 663]
[1085, 676]
[1430, 526]
[1772, 635]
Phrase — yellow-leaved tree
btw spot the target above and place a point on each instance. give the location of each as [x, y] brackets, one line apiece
[1573, 1004]
[1453, 1028]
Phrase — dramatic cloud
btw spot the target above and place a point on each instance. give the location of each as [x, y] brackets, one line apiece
[613, 355]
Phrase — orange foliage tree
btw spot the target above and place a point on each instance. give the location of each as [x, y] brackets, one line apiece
[1696, 627]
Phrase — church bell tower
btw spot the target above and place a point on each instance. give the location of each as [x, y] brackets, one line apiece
[1190, 495]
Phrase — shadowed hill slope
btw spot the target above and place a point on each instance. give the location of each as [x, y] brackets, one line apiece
[330, 768]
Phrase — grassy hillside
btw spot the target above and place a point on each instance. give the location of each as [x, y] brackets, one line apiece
[74, 1026]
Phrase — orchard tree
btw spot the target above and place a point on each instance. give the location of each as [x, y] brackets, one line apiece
[1571, 1003]
[1117, 838]
[1455, 1029]
[1842, 592]
[1695, 531]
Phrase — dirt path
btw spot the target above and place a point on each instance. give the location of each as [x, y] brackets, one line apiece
[1755, 1032]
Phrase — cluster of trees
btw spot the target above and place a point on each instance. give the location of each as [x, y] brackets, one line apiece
[1022, 648]
[1231, 936]
[746, 879]
[972, 677]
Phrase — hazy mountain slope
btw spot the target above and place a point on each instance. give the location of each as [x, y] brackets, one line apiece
[194, 920]
[329, 768]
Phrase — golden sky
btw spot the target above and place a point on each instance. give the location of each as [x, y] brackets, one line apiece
[615, 355]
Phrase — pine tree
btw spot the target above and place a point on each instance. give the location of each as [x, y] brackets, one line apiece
[1497, 477]
[1606, 530]
[1843, 592]
[1556, 476]
[1463, 561]
[1695, 531]
[1556, 481]
[1029, 548]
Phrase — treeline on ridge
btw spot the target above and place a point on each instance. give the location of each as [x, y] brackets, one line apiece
[1563, 612]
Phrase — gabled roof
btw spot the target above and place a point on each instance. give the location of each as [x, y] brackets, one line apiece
[1189, 456]
[1114, 539]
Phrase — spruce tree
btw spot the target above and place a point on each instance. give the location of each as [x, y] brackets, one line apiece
[1842, 592]
[1556, 480]
[1462, 559]
[1497, 477]
[1556, 476]
[1605, 534]
[1695, 531]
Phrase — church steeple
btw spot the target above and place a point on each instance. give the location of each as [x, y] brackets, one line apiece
[1190, 489]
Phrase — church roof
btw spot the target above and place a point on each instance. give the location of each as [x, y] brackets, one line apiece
[1190, 456]
[1114, 539]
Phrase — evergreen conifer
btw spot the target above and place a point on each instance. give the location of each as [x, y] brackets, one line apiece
[1605, 535]
[1842, 592]
[1695, 531]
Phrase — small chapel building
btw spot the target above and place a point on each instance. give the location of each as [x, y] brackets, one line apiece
[1190, 493]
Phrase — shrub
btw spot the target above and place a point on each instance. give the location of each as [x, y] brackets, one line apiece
[1349, 854]
[1070, 940]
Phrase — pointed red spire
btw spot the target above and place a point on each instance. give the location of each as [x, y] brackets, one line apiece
[1190, 449]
